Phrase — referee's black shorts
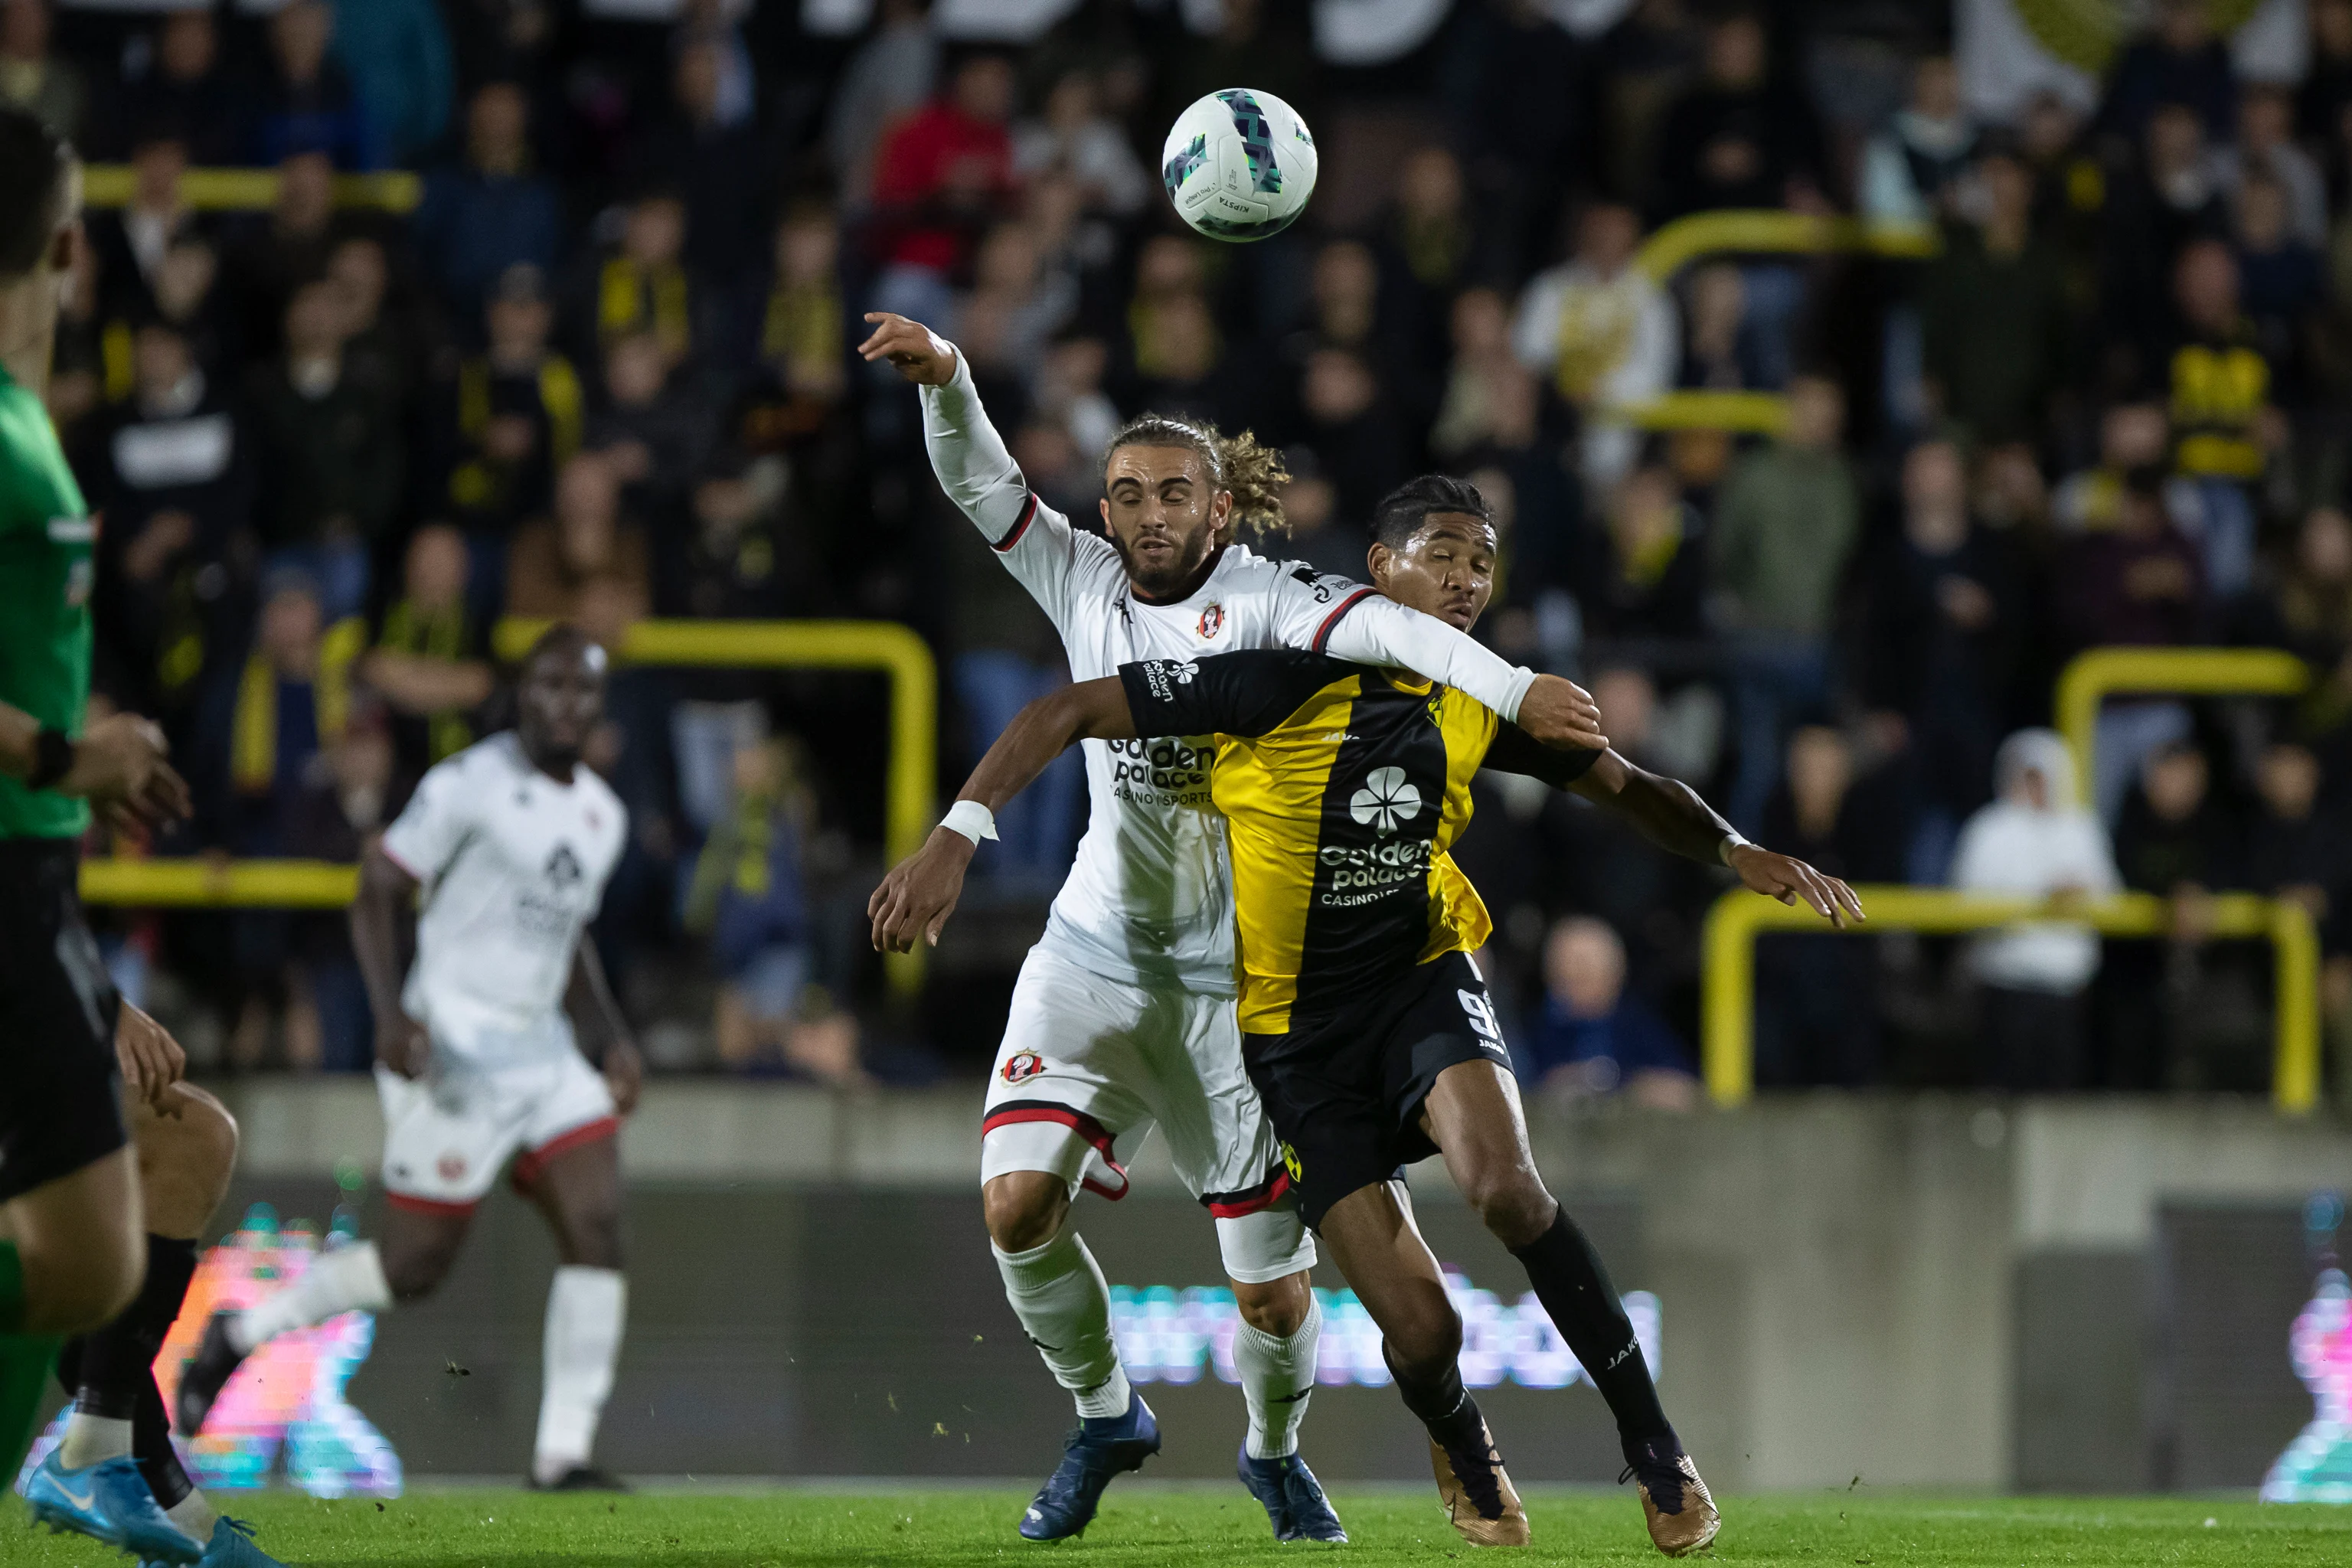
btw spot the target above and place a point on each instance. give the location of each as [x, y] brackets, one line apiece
[60, 1098]
[1344, 1091]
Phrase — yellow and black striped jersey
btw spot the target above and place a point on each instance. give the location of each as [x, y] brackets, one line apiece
[1343, 786]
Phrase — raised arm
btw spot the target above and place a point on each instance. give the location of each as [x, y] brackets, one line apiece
[383, 940]
[921, 891]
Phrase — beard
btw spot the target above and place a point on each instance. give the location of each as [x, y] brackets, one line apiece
[1181, 568]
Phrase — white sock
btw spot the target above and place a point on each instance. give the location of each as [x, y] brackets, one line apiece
[92, 1439]
[1058, 1292]
[585, 1309]
[340, 1279]
[1278, 1380]
[194, 1516]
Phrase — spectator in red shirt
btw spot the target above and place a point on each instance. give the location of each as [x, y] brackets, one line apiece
[942, 177]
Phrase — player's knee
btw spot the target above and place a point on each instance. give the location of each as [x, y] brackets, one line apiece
[1278, 1306]
[594, 1241]
[196, 1146]
[1513, 1203]
[80, 1288]
[1424, 1343]
[412, 1276]
[1023, 1209]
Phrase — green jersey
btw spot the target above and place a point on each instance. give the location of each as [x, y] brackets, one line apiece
[47, 536]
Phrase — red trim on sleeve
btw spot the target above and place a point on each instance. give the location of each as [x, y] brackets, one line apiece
[413, 873]
[431, 1206]
[1018, 1113]
[1028, 513]
[530, 1163]
[1323, 632]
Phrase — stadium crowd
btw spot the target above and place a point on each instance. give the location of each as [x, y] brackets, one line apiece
[603, 370]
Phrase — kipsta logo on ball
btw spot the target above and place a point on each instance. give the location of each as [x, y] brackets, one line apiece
[1239, 165]
[1387, 799]
[1022, 1066]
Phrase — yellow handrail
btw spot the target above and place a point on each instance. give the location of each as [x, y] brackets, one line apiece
[1677, 243]
[884, 645]
[1728, 996]
[2098, 673]
[1741, 413]
[251, 190]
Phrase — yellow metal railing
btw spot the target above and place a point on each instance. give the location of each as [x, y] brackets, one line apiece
[881, 646]
[2096, 674]
[1727, 998]
[251, 190]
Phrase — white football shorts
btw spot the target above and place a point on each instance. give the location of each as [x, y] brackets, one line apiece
[1089, 1063]
[447, 1135]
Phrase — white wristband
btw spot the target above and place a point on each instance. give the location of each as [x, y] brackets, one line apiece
[971, 819]
[1731, 841]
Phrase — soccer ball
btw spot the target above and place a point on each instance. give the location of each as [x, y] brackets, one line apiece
[1239, 165]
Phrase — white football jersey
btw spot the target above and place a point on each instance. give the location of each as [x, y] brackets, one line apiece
[1150, 899]
[514, 866]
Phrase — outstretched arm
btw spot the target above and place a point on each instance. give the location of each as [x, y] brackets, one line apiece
[921, 891]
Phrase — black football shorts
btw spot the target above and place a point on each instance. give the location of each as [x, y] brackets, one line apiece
[60, 1090]
[1344, 1091]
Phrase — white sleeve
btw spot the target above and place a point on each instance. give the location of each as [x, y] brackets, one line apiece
[1535, 331]
[1036, 544]
[1968, 872]
[425, 838]
[1325, 614]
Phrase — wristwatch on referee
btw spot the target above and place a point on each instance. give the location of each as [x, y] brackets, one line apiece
[53, 758]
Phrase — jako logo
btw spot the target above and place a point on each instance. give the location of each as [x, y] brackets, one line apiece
[1386, 799]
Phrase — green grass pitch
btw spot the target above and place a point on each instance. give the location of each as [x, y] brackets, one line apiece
[1211, 1528]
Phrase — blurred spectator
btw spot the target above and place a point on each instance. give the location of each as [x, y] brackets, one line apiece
[1941, 633]
[1073, 141]
[2176, 840]
[1354, 430]
[1014, 307]
[2132, 435]
[2315, 604]
[717, 25]
[554, 559]
[1070, 392]
[307, 102]
[492, 211]
[890, 78]
[642, 283]
[718, 165]
[1714, 356]
[1604, 332]
[2265, 147]
[33, 79]
[2222, 416]
[382, 334]
[1816, 994]
[1652, 581]
[2177, 61]
[1177, 359]
[2327, 89]
[1993, 314]
[937, 179]
[652, 430]
[396, 53]
[1317, 536]
[1909, 169]
[1482, 362]
[1248, 41]
[2034, 841]
[2282, 279]
[2297, 850]
[517, 414]
[264, 265]
[1594, 1037]
[1783, 527]
[736, 562]
[187, 88]
[176, 487]
[2138, 582]
[430, 661]
[328, 435]
[1739, 138]
[495, 40]
[2166, 200]
[803, 371]
[1519, 92]
[132, 239]
[1431, 252]
[748, 899]
[346, 795]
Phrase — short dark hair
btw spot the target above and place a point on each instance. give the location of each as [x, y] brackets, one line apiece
[561, 637]
[34, 161]
[1403, 509]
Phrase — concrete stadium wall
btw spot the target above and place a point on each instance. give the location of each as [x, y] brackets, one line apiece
[1940, 1291]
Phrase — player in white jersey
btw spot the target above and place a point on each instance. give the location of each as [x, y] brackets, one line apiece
[1123, 1016]
[510, 843]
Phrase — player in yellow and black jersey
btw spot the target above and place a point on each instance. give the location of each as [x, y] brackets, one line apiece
[1366, 1026]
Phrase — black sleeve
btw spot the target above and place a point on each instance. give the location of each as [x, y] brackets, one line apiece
[1245, 693]
[1514, 750]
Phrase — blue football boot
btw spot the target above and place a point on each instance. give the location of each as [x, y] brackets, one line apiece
[108, 1502]
[1294, 1498]
[232, 1547]
[1100, 1449]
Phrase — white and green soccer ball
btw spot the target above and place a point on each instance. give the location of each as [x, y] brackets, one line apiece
[1239, 165]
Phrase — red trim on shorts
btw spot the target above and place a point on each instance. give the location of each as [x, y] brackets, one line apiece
[532, 1161]
[1014, 1114]
[1028, 514]
[1265, 1195]
[434, 1207]
[1323, 632]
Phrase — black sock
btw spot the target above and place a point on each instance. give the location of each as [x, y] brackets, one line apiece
[119, 1360]
[1575, 1289]
[150, 1445]
[1443, 1405]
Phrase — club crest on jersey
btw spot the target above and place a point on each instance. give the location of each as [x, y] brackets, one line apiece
[564, 866]
[1387, 799]
[1163, 676]
[452, 1167]
[1212, 621]
[1022, 1066]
